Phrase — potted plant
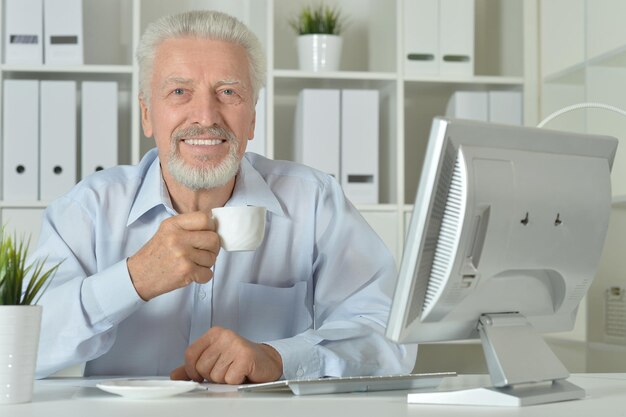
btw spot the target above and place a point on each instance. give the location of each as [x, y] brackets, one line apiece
[21, 286]
[319, 41]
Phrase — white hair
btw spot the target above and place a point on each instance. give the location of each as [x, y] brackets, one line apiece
[203, 24]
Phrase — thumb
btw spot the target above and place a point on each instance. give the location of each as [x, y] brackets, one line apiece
[179, 374]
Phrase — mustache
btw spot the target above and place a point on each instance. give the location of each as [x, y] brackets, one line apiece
[213, 131]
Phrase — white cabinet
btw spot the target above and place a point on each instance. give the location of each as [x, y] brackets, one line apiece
[372, 58]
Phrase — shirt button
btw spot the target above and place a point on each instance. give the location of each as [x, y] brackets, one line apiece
[202, 294]
[300, 372]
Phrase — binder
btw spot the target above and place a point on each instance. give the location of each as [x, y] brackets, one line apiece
[23, 24]
[258, 144]
[57, 171]
[421, 37]
[505, 107]
[24, 222]
[63, 30]
[317, 130]
[456, 37]
[473, 105]
[99, 126]
[20, 133]
[359, 145]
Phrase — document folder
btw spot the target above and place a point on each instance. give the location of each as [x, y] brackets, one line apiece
[20, 133]
[456, 37]
[317, 130]
[99, 126]
[58, 138]
[23, 40]
[63, 29]
[359, 145]
[421, 37]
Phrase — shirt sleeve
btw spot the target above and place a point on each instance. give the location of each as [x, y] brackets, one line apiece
[354, 279]
[80, 308]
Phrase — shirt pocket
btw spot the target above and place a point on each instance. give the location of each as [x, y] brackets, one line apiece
[272, 313]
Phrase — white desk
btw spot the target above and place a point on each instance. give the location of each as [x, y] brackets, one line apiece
[606, 396]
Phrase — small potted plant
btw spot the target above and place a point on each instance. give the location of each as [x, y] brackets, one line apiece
[319, 41]
[21, 286]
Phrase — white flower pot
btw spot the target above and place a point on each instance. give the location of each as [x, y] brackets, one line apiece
[319, 52]
[19, 341]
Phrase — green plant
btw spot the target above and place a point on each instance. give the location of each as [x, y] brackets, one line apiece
[320, 19]
[13, 272]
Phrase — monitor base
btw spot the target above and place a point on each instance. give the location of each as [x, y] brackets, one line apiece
[515, 396]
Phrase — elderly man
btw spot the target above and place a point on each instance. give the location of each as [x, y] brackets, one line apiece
[144, 288]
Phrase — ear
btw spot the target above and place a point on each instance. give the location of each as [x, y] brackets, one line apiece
[252, 126]
[146, 123]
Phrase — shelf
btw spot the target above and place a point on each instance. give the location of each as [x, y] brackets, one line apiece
[336, 75]
[619, 201]
[377, 207]
[24, 204]
[478, 79]
[576, 74]
[80, 69]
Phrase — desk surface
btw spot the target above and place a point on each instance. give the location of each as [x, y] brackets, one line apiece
[606, 396]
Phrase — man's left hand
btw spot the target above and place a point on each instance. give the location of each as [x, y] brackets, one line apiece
[222, 356]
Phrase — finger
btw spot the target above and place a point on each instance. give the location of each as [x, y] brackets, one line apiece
[179, 374]
[205, 240]
[219, 368]
[194, 352]
[236, 374]
[196, 220]
[202, 258]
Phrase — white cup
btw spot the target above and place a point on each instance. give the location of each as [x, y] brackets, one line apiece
[240, 227]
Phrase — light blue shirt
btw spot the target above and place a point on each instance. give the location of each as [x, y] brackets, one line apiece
[317, 290]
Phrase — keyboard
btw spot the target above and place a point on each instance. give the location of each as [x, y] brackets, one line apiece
[333, 385]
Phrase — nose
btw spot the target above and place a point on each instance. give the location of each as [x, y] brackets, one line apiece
[204, 110]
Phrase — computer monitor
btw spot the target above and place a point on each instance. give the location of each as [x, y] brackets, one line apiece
[504, 241]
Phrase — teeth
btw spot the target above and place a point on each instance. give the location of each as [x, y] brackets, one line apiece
[206, 142]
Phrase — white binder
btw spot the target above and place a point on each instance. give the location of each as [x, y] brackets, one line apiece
[456, 37]
[23, 40]
[317, 130]
[473, 105]
[258, 144]
[24, 222]
[359, 145]
[505, 107]
[421, 37]
[63, 30]
[99, 126]
[20, 134]
[57, 172]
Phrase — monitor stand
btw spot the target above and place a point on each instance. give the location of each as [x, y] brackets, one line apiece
[523, 369]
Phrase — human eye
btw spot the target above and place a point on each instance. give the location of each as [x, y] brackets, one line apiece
[229, 96]
[178, 91]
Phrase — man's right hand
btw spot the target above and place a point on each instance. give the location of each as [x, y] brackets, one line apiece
[182, 251]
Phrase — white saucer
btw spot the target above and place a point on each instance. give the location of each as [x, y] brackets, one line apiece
[147, 388]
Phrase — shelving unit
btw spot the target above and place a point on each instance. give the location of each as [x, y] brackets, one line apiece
[372, 58]
[583, 59]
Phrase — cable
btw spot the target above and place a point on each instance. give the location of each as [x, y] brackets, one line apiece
[588, 105]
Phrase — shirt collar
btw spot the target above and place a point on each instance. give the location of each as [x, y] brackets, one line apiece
[250, 190]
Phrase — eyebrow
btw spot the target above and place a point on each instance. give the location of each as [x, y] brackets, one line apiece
[186, 81]
[175, 80]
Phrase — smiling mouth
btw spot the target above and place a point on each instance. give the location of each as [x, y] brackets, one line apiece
[204, 142]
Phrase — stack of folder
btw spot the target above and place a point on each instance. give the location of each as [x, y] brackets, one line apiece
[40, 135]
[43, 31]
[439, 37]
[337, 132]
